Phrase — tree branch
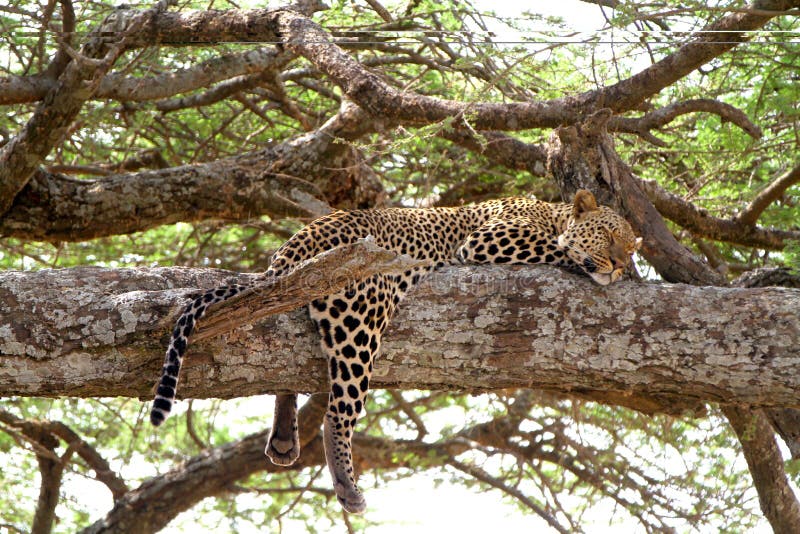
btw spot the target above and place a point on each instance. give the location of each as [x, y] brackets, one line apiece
[750, 214]
[62, 332]
[20, 89]
[658, 118]
[700, 222]
[501, 148]
[786, 421]
[21, 156]
[765, 462]
[55, 208]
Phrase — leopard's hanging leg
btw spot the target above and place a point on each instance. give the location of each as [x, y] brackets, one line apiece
[283, 445]
[351, 324]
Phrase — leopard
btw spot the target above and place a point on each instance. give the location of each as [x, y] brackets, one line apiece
[581, 236]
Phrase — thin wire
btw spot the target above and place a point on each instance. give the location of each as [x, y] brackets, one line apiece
[479, 40]
[485, 38]
[556, 30]
[485, 43]
[475, 33]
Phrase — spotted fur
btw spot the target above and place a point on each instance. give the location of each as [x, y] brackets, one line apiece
[582, 236]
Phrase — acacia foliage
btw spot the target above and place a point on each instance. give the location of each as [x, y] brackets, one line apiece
[555, 458]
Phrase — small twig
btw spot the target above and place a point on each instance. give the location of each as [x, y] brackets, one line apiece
[190, 427]
[483, 476]
[409, 411]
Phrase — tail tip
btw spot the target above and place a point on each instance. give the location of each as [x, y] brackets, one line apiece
[157, 417]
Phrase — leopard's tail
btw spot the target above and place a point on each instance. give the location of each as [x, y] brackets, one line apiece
[167, 386]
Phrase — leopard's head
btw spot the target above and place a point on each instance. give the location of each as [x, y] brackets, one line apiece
[598, 240]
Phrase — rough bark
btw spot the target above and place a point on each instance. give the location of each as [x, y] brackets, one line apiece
[88, 332]
[785, 421]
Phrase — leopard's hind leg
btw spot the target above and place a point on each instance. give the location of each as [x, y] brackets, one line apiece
[351, 324]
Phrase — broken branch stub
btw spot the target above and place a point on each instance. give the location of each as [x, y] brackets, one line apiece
[317, 277]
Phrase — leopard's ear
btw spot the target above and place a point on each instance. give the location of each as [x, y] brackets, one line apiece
[584, 202]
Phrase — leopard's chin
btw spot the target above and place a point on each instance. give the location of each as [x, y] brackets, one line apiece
[603, 279]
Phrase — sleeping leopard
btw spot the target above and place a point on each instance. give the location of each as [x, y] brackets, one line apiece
[581, 236]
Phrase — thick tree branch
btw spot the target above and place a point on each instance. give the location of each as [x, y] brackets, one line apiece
[786, 421]
[274, 181]
[501, 148]
[19, 89]
[54, 208]
[61, 59]
[217, 93]
[468, 328]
